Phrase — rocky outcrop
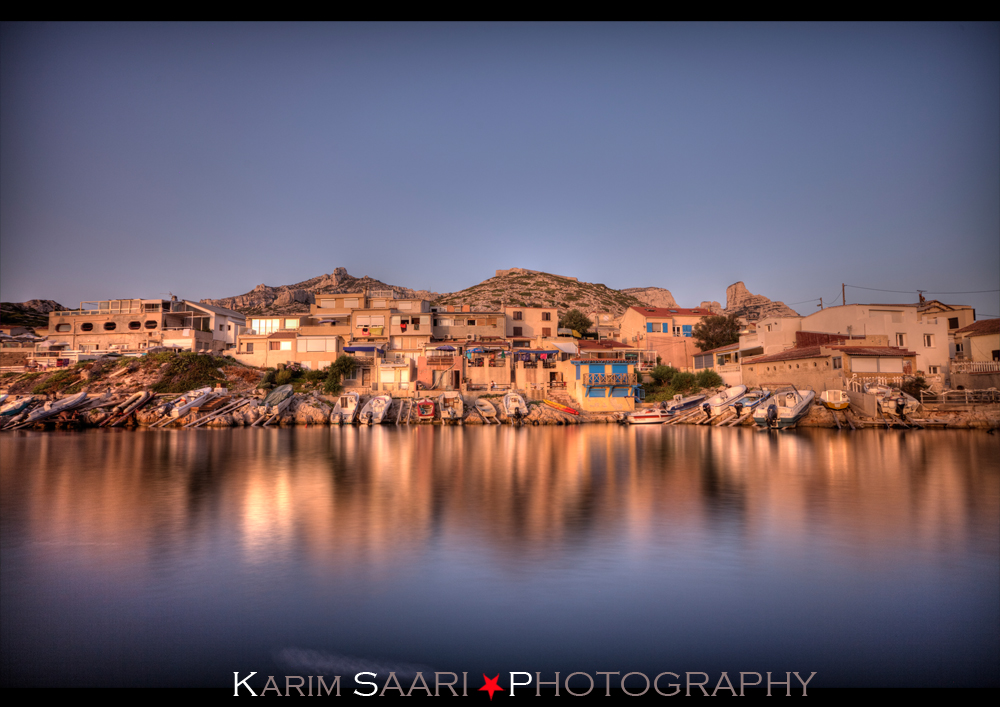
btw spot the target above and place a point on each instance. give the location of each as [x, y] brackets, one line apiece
[33, 313]
[740, 301]
[295, 299]
[652, 296]
[713, 307]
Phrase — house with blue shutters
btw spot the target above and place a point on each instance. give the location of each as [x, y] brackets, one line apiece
[606, 377]
[667, 331]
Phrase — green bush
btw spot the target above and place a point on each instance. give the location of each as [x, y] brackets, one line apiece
[708, 378]
[663, 375]
[683, 382]
[913, 386]
[284, 377]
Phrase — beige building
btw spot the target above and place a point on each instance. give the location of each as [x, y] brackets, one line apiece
[140, 324]
[531, 322]
[828, 367]
[667, 331]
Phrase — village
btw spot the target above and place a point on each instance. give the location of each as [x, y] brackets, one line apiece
[411, 357]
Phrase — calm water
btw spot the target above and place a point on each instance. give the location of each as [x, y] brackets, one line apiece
[178, 557]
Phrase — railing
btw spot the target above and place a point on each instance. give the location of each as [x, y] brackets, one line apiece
[529, 364]
[440, 360]
[592, 379]
[548, 364]
[728, 368]
[557, 385]
[959, 397]
[975, 366]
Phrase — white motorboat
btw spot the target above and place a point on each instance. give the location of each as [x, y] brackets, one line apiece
[719, 403]
[486, 409]
[64, 405]
[346, 409]
[784, 409]
[514, 407]
[651, 416]
[451, 405]
[374, 411]
[835, 399]
[681, 403]
[192, 399]
[893, 401]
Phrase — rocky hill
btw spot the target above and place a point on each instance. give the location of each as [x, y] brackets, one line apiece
[740, 301]
[529, 288]
[33, 313]
[295, 299]
[652, 296]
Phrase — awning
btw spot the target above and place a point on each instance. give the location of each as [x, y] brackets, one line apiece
[552, 352]
[445, 348]
[476, 349]
[566, 348]
[754, 351]
[362, 349]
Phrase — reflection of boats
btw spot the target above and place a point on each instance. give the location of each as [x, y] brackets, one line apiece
[452, 406]
[652, 416]
[514, 407]
[682, 404]
[784, 409]
[486, 409]
[374, 411]
[893, 400]
[425, 409]
[834, 399]
[346, 409]
[718, 404]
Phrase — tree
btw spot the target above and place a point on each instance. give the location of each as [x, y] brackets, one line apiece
[575, 319]
[662, 375]
[715, 331]
[337, 370]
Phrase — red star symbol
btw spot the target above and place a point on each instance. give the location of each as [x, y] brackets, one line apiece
[491, 685]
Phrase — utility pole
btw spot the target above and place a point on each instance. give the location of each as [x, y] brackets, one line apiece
[843, 293]
[820, 305]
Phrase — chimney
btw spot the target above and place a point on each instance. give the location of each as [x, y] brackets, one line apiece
[466, 307]
[451, 308]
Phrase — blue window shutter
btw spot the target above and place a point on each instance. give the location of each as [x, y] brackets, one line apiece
[686, 328]
[619, 368]
[649, 327]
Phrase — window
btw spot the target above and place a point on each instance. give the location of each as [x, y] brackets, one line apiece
[928, 341]
[328, 303]
[110, 326]
[87, 326]
[63, 327]
[280, 345]
[470, 322]
[677, 331]
[151, 307]
[150, 324]
[518, 316]
[404, 305]
[901, 340]
[415, 324]
[135, 325]
[959, 347]
[221, 327]
[229, 327]
[250, 347]
[378, 304]
[934, 370]
[546, 331]
[351, 303]
[953, 322]
[546, 316]
[517, 331]
[291, 323]
[838, 362]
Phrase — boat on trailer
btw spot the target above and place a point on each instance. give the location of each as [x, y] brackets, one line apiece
[486, 409]
[784, 409]
[425, 409]
[451, 405]
[374, 411]
[346, 409]
[893, 400]
[680, 403]
[514, 407]
[834, 399]
[719, 403]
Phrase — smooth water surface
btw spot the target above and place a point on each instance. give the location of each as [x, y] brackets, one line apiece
[164, 557]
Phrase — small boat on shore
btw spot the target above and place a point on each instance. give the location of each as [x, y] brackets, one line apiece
[681, 404]
[16, 406]
[784, 409]
[64, 405]
[451, 405]
[486, 409]
[893, 401]
[561, 408]
[374, 411]
[834, 399]
[198, 397]
[346, 409]
[425, 409]
[719, 403]
[651, 416]
[514, 407]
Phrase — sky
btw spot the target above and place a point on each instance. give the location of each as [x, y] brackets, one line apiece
[138, 160]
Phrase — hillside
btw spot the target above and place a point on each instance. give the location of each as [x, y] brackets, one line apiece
[295, 299]
[529, 288]
[33, 313]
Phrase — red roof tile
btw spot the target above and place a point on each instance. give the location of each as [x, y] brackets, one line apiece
[873, 350]
[667, 312]
[788, 355]
[983, 326]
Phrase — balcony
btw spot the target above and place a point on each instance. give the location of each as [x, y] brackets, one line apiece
[975, 366]
[440, 361]
[609, 379]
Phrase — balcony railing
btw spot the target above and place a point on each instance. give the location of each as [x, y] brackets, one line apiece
[440, 360]
[598, 379]
[975, 366]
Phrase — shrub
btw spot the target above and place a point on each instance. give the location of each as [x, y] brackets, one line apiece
[284, 377]
[913, 386]
[663, 374]
[683, 382]
[708, 378]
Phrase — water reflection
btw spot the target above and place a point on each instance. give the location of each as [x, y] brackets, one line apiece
[744, 546]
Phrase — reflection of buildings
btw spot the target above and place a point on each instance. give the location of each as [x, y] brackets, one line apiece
[369, 498]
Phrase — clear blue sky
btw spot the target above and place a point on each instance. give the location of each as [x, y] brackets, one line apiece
[203, 160]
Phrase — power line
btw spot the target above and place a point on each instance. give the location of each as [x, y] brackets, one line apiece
[814, 299]
[910, 292]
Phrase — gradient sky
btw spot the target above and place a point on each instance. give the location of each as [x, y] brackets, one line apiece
[205, 159]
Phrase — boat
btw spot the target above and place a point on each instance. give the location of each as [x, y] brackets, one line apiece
[374, 410]
[198, 397]
[834, 399]
[486, 409]
[425, 409]
[719, 403]
[514, 407]
[64, 405]
[681, 404]
[784, 409]
[451, 405]
[893, 401]
[346, 409]
[650, 416]
[751, 399]
[16, 406]
[561, 408]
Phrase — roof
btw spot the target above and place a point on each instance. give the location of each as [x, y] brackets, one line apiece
[605, 345]
[219, 310]
[727, 347]
[873, 350]
[981, 328]
[667, 312]
[788, 355]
